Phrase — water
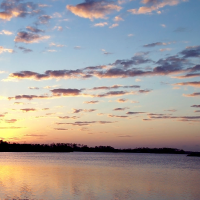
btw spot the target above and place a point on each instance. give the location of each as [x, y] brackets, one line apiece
[99, 176]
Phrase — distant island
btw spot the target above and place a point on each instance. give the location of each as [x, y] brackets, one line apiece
[71, 147]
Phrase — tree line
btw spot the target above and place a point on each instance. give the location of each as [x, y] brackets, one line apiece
[70, 147]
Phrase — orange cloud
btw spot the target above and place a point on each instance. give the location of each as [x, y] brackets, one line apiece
[93, 10]
[153, 5]
[193, 84]
[2, 50]
[192, 95]
[5, 16]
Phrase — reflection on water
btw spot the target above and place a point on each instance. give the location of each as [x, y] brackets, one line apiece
[99, 176]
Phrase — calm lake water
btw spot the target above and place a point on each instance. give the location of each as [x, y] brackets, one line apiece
[99, 176]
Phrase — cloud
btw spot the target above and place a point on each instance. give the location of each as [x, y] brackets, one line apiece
[43, 5]
[3, 115]
[14, 8]
[66, 92]
[50, 114]
[195, 106]
[115, 87]
[34, 135]
[193, 84]
[191, 51]
[60, 129]
[196, 94]
[156, 44]
[194, 69]
[144, 91]
[137, 59]
[118, 116]
[11, 121]
[120, 109]
[19, 103]
[6, 16]
[67, 117]
[105, 52]
[134, 113]
[165, 49]
[45, 108]
[3, 50]
[51, 50]
[180, 29]
[77, 47]
[85, 123]
[188, 76]
[57, 15]
[93, 9]
[27, 37]
[28, 110]
[118, 18]
[49, 87]
[113, 25]
[43, 19]
[59, 28]
[57, 93]
[56, 45]
[114, 93]
[170, 65]
[83, 110]
[25, 50]
[172, 110]
[101, 24]
[91, 102]
[137, 80]
[122, 100]
[11, 127]
[125, 136]
[5, 32]
[34, 30]
[179, 118]
[154, 5]
[33, 88]
[125, 68]
[29, 97]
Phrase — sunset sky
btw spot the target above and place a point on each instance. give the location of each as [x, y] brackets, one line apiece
[122, 73]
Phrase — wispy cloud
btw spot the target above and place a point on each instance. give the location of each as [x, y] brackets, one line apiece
[196, 94]
[101, 24]
[86, 123]
[91, 102]
[25, 50]
[113, 25]
[193, 84]
[154, 5]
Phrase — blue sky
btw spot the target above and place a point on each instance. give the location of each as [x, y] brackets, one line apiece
[121, 73]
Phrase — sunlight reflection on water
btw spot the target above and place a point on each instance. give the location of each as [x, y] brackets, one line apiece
[99, 176]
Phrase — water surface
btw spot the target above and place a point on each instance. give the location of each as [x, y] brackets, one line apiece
[99, 176]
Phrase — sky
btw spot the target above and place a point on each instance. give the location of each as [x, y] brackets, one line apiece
[120, 73]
